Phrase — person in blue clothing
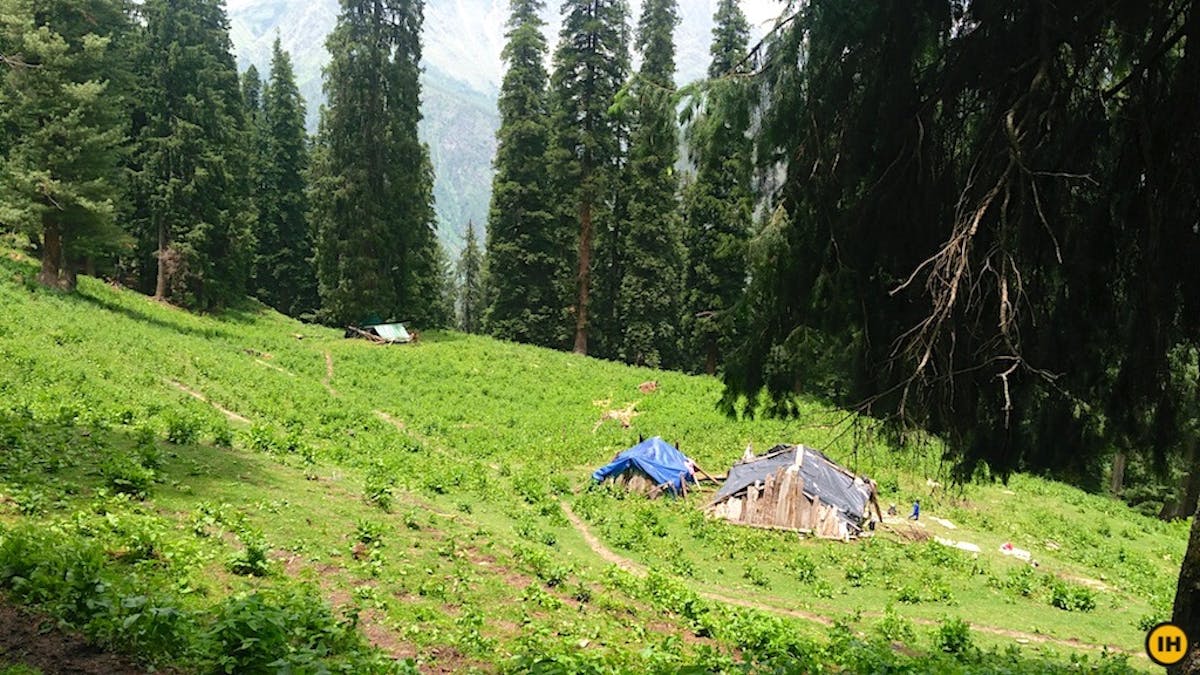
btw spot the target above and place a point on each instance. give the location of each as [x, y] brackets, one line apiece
[916, 514]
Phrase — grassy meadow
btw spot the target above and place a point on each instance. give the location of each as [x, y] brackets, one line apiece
[245, 493]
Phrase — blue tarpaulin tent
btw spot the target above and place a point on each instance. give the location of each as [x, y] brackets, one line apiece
[658, 459]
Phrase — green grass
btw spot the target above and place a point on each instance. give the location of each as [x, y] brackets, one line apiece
[416, 492]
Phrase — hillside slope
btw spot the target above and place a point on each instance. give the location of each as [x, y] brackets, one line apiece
[438, 492]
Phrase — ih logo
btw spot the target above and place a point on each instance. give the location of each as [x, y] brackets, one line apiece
[1166, 644]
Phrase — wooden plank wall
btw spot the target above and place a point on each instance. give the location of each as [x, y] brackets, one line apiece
[779, 503]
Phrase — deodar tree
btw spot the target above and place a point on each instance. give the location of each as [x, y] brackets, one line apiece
[590, 66]
[470, 283]
[61, 109]
[524, 301]
[192, 211]
[284, 275]
[377, 251]
[651, 247]
[718, 199]
[986, 226]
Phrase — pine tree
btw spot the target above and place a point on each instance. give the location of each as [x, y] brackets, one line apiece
[62, 119]
[523, 299]
[377, 249]
[652, 252]
[718, 201]
[590, 67]
[470, 284]
[192, 207]
[252, 95]
[730, 34]
[284, 274]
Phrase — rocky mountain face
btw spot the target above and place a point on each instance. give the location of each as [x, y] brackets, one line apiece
[462, 73]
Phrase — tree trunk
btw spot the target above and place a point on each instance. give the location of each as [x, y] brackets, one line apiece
[1118, 474]
[52, 256]
[1187, 603]
[710, 359]
[89, 266]
[585, 266]
[1186, 500]
[160, 285]
[69, 278]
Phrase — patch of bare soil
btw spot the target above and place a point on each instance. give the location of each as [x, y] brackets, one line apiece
[32, 640]
[371, 623]
[197, 395]
[327, 382]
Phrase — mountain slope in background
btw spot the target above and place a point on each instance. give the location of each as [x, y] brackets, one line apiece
[463, 69]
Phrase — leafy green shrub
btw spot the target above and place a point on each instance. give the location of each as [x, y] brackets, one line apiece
[252, 560]
[856, 572]
[259, 438]
[953, 636]
[527, 529]
[30, 501]
[908, 595]
[1072, 597]
[377, 486]
[755, 576]
[221, 433]
[369, 532]
[182, 429]
[895, 628]
[286, 630]
[803, 568]
[126, 475]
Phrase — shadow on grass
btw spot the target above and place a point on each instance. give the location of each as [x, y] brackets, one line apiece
[45, 461]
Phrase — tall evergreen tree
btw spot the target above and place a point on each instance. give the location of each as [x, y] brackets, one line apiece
[62, 119]
[652, 252]
[192, 207]
[377, 249]
[470, 284]
[252, 95]
[284, 273]
[730, 34]
[523, 299]
[718, 201]
[590, 67]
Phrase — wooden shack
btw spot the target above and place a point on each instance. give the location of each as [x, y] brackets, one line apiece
[798, 489]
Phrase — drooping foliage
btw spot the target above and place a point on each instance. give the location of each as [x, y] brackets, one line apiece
[377, 251]
[284, 273]
[718, 200]
[191, 209]
[955, 188]
[524, 299]
[61, 107]
[651, 247]
[986, 225]
[591, 64]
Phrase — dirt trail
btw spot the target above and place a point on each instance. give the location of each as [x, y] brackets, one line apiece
[391, 420]
[329, 375]
[197, 395]
[272, 366]
[608, 555]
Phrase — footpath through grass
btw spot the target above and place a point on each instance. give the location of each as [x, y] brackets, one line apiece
[246, 493]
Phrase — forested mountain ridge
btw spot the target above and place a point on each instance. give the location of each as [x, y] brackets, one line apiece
[462, 71]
